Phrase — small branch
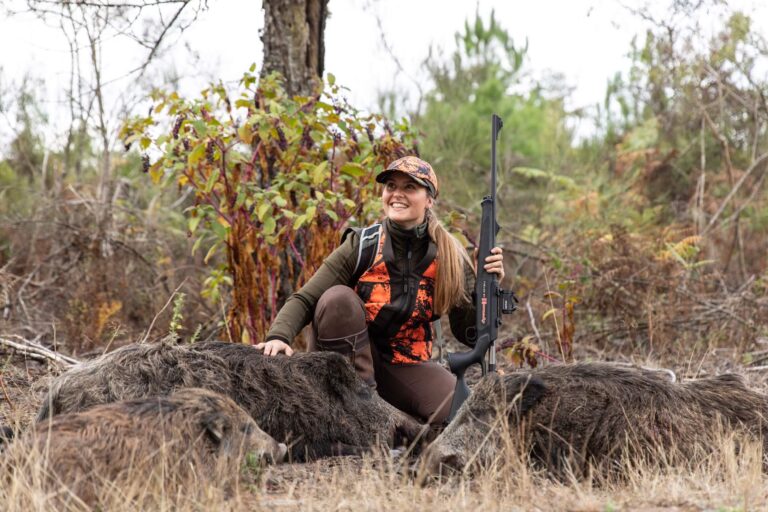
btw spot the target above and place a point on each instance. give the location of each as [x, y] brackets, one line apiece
[401, 70]
[152, 324]
[554, 319]
[533, 321]
[6, 395]
[142, 69]
[735, 189]
[36, 351]
[296, 252]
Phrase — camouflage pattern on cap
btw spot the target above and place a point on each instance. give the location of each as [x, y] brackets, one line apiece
[416, 168]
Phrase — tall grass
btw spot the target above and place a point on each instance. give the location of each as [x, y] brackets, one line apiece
[728, 477]
[163, 479]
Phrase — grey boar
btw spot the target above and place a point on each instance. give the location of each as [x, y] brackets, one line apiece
[592, 416]
[313, 401]
[188, 436]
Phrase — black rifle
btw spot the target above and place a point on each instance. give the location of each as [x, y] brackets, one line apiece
[490, 300]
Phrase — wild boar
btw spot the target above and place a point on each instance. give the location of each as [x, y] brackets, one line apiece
[313, 401]
[594, 415]
[192, 435]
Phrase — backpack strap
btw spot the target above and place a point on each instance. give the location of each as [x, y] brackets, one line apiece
[366, 252]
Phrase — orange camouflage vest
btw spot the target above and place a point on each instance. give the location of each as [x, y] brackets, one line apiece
[399, 303]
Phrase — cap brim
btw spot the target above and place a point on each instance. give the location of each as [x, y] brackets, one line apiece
[383, 175]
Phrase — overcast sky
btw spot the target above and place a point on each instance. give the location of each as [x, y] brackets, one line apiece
[585, 40]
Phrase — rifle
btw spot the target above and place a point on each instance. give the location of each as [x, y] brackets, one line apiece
[490, 300]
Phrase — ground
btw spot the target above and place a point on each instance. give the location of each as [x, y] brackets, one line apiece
[379, 482]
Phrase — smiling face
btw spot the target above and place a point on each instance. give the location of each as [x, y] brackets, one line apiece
[404, 201]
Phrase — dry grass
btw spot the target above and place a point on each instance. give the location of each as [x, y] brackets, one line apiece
[728, 478]
[30, 485]
[725, 482]
[162, 479]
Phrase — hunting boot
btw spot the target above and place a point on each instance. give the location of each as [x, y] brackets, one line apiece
[339, 326]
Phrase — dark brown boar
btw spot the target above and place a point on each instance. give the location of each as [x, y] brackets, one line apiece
[313, 401]
[595, 415]
[192, 435]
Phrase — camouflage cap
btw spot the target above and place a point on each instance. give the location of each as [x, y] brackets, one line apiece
[421, 172]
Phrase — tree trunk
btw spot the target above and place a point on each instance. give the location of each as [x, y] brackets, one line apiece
[293, 45]
[293, 42]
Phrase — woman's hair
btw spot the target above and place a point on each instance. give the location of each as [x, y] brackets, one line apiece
[449, 282]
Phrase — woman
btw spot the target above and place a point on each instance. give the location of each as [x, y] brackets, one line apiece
[379, 314]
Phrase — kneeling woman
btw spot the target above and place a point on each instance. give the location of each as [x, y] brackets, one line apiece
[378, 312]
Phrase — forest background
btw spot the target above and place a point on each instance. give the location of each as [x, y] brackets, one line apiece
[644, 233]
[634, 228]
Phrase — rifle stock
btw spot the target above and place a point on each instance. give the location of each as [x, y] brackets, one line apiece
[458, 362]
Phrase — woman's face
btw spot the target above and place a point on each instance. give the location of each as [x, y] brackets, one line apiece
[404, 201]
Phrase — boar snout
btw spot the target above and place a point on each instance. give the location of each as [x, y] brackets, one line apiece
[278, 456]
[274, 455]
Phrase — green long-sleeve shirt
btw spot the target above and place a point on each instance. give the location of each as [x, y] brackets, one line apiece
[338, 268]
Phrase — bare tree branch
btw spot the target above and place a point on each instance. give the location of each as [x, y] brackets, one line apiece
[160, 39]
[37, 351]
[762, 158]
[396, 60]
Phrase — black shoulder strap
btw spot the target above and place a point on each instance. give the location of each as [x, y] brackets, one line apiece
[366, 252]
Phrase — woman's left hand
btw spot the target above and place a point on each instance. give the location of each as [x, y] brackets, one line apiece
[494, 263]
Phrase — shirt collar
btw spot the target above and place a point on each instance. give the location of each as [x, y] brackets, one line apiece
[419, 231]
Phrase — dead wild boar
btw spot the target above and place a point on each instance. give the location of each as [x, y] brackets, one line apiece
[313, 401]
[189, 436]
[593, 415]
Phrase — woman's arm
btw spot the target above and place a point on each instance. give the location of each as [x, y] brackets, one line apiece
[462, 316]
[300, 306]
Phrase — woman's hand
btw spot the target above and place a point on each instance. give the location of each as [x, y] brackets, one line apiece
[494, 263]
[274, 347]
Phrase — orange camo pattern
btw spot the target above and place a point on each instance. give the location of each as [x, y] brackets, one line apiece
[416, 167]
[378, 275]
[413, 342]
[381, 292]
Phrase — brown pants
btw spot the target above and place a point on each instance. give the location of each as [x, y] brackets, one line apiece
[423, 390]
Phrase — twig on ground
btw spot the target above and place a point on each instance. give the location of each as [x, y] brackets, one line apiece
[37, 351]
[756, 357]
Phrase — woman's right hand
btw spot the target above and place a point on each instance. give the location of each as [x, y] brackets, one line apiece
[274, 346]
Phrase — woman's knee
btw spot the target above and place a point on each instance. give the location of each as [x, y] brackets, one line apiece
[424, 390]
[339, 313]
[339, 297]
[436, 405]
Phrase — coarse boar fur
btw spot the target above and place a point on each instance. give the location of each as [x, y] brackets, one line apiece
[191, 436]
[313, 401]
[593, 416]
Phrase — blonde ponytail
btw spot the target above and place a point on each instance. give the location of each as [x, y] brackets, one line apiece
[449, 282]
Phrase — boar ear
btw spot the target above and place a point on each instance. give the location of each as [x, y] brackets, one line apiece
[339, 373]
[215, 425]
[524, 392]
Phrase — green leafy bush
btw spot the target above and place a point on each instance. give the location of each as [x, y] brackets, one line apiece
[276, 180]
